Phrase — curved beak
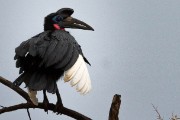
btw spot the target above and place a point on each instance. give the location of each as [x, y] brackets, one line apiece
[71, 22]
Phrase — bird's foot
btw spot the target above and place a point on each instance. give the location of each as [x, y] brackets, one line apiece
[58, 108]
[46, 103]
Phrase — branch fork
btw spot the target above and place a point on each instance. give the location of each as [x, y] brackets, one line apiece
[113, 113]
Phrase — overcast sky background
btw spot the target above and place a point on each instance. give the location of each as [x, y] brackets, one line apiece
[134, 51]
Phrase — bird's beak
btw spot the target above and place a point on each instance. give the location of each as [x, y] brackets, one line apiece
[70, 22]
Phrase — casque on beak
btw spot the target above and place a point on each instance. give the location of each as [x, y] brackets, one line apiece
[71, 22]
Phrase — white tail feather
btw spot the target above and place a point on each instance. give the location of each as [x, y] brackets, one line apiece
[78, 75]
[32, 94]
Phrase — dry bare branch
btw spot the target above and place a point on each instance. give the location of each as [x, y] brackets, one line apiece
[174, 117]
[28, 114]
[114, 110]
[113, 113]
[156, 110]
[51, 107]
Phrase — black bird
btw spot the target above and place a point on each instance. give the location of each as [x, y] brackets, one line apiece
[52, 54]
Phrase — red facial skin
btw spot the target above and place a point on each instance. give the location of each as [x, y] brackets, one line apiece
[57, 27]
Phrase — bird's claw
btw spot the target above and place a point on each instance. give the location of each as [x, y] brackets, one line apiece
[58, 108]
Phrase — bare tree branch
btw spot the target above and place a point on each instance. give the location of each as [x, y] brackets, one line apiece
[156, 110]
[113, 113]
[114, 110]
[28, 114]
[16, 89]
[64, 110]
[174, 117]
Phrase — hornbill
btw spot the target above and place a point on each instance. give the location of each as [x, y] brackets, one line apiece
[52, 54]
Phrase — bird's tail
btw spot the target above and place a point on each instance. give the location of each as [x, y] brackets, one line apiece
[78, 75]
[39, 80]
[32, 94]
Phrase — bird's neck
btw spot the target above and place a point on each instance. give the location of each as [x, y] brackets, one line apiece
[57, 27]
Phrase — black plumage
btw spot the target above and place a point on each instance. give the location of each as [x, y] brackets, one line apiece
[44, 58]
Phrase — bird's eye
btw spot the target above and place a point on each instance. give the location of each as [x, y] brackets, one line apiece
[57, 18]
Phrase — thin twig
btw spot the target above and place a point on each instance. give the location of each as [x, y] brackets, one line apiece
[156, 110]
[28, 114]
[174, 117]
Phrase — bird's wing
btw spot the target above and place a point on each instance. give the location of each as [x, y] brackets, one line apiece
[56, 51]
[62, 51]
[27, 53]
[78, 76]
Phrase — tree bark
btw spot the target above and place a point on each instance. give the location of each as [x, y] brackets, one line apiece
[113, 113]
[29, 104]
[114, 110]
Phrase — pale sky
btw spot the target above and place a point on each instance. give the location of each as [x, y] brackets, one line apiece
[134, 52]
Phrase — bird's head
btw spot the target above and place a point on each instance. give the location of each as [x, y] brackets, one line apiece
[62, 19]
